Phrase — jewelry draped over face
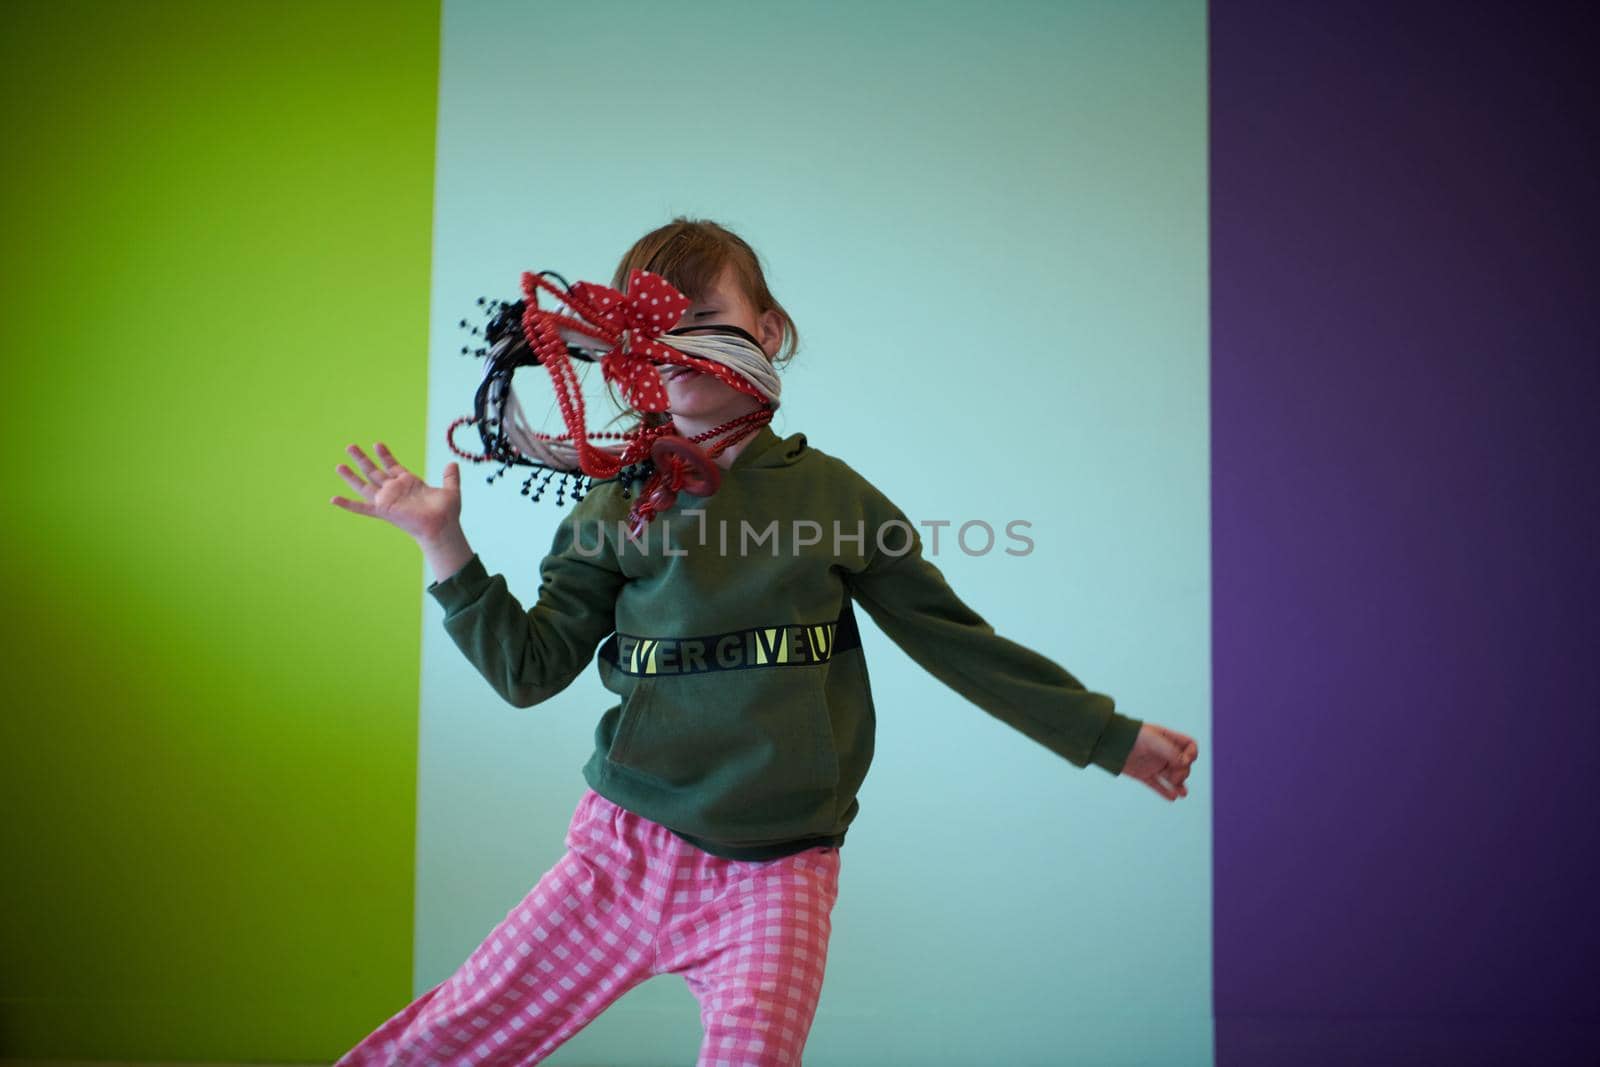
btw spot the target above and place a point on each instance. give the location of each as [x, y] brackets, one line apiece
[630, 335]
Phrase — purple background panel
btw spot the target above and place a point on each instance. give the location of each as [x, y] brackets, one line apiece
[1406, 383]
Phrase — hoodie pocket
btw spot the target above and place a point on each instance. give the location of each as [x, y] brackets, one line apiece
[755, 745]
[634, 709]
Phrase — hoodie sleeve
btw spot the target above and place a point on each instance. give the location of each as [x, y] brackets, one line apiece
[909, 599]
[529, 656]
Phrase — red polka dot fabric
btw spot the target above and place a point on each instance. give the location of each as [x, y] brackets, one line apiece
[649, 308]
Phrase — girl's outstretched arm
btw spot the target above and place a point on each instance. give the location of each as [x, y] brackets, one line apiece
[527, 655]
[910, 600]
[530, 655]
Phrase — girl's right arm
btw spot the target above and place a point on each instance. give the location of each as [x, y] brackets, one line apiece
[526, 656]
[530, 656]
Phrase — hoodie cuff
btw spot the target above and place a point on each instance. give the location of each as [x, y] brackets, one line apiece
[1116, 742]
[462, 587]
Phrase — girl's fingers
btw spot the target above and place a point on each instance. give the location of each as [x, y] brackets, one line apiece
[1179, 740]
[352, 505]
[368, 468]
[1178, 773]
[393, 465]
[353, 479]
[1187, 750]
[1154, 782]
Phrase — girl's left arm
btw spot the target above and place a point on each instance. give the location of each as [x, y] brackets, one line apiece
[910, 600]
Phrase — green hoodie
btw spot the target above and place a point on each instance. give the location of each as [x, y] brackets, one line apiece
[745, 722]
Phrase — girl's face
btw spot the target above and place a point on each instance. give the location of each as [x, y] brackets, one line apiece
[693, 394]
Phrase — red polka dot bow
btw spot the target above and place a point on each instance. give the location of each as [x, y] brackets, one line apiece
[634, 319]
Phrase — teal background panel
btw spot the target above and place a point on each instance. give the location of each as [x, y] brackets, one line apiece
[989, 223]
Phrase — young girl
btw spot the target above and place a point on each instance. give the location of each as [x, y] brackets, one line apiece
[723, 781]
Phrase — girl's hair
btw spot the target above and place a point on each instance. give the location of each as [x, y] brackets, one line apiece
[691, 255]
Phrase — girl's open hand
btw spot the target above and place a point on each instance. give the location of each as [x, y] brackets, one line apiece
[395, 495]
[1161, 759]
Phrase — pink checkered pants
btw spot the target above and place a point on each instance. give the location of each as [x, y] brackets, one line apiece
[628, 901]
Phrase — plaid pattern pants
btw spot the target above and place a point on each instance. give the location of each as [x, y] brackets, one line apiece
[630, 900]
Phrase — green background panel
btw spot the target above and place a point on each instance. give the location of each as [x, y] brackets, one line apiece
[216, 232]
